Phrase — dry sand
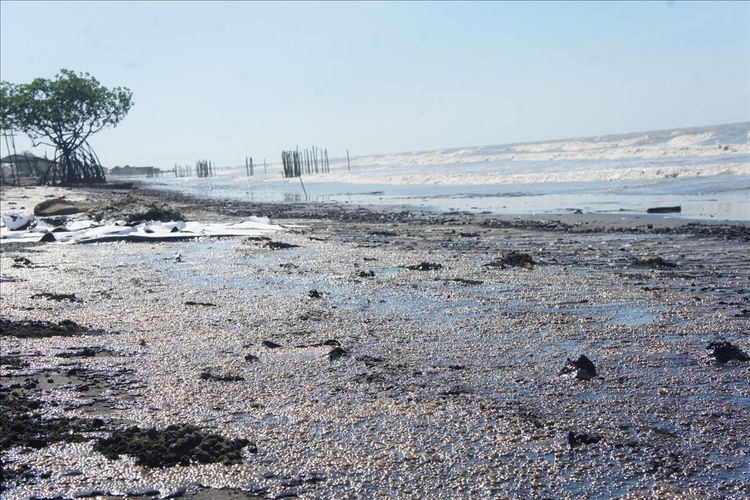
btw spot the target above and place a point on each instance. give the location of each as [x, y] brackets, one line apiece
[385, 380]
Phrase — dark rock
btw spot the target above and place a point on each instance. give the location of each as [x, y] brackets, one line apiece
[576, 439]
[314, 294]
[48, 237]
[252, 358]
[724, 351]
[271, 345]
[337, 353]
[583, 368]
[43, 329]
[425, 266]
[366, 274]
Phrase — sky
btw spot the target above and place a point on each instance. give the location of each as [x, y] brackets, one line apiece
[225, 80]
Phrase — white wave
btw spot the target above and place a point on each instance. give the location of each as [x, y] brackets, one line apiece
[571, 154]
[459, 177]
[689, 139]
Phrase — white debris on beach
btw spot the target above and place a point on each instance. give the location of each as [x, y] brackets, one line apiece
[18, 227]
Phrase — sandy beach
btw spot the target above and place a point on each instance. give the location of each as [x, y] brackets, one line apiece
[365, 352]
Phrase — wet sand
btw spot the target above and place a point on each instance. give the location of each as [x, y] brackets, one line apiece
[389, 352]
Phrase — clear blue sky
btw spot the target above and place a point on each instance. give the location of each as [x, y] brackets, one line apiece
[222, 80]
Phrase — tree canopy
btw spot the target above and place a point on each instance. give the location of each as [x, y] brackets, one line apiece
[63, 113]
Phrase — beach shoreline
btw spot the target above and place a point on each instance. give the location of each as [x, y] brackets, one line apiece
[381, 352]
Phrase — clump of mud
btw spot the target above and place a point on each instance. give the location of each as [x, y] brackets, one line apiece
[21, 426]
[133, 209]
[512, 259]
[425, 266]
[724, 352]
[177, 444]
[654, 263]
[155, 212]
[280, 245]
[43, 329]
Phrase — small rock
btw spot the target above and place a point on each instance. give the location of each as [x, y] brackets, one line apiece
[576, 439]
[583, 368]
[314, 294]
[271, 345]
[724, 351]
[337, 353]
[252, 358]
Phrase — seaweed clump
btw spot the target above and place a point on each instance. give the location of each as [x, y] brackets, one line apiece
[177, 444]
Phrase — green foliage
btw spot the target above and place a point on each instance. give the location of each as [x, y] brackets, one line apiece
[6, 115]
[65, 111]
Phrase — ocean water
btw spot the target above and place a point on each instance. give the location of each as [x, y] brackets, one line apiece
[705, 170]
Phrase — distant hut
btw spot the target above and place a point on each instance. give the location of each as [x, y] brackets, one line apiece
[26, 165]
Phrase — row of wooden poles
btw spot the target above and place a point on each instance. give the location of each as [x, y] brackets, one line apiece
[309, 161]
[202, 168]
[250, 168]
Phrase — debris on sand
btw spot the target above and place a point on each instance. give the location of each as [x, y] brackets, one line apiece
[512, 259]
[252, 358]
[381, 233]
[463, 281]
[177, 444]
[57, 297]
[366, 274]
[724, 351]
[314, 294]
[577, 439]
[653, 263]
[280, 245]
[582, 368]
[271, 345]
[90, 231]
[207, 374]
[43, 329]
[22, 262]
[424, 266]
[16, 222]
[664, 210]
[204, 304]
